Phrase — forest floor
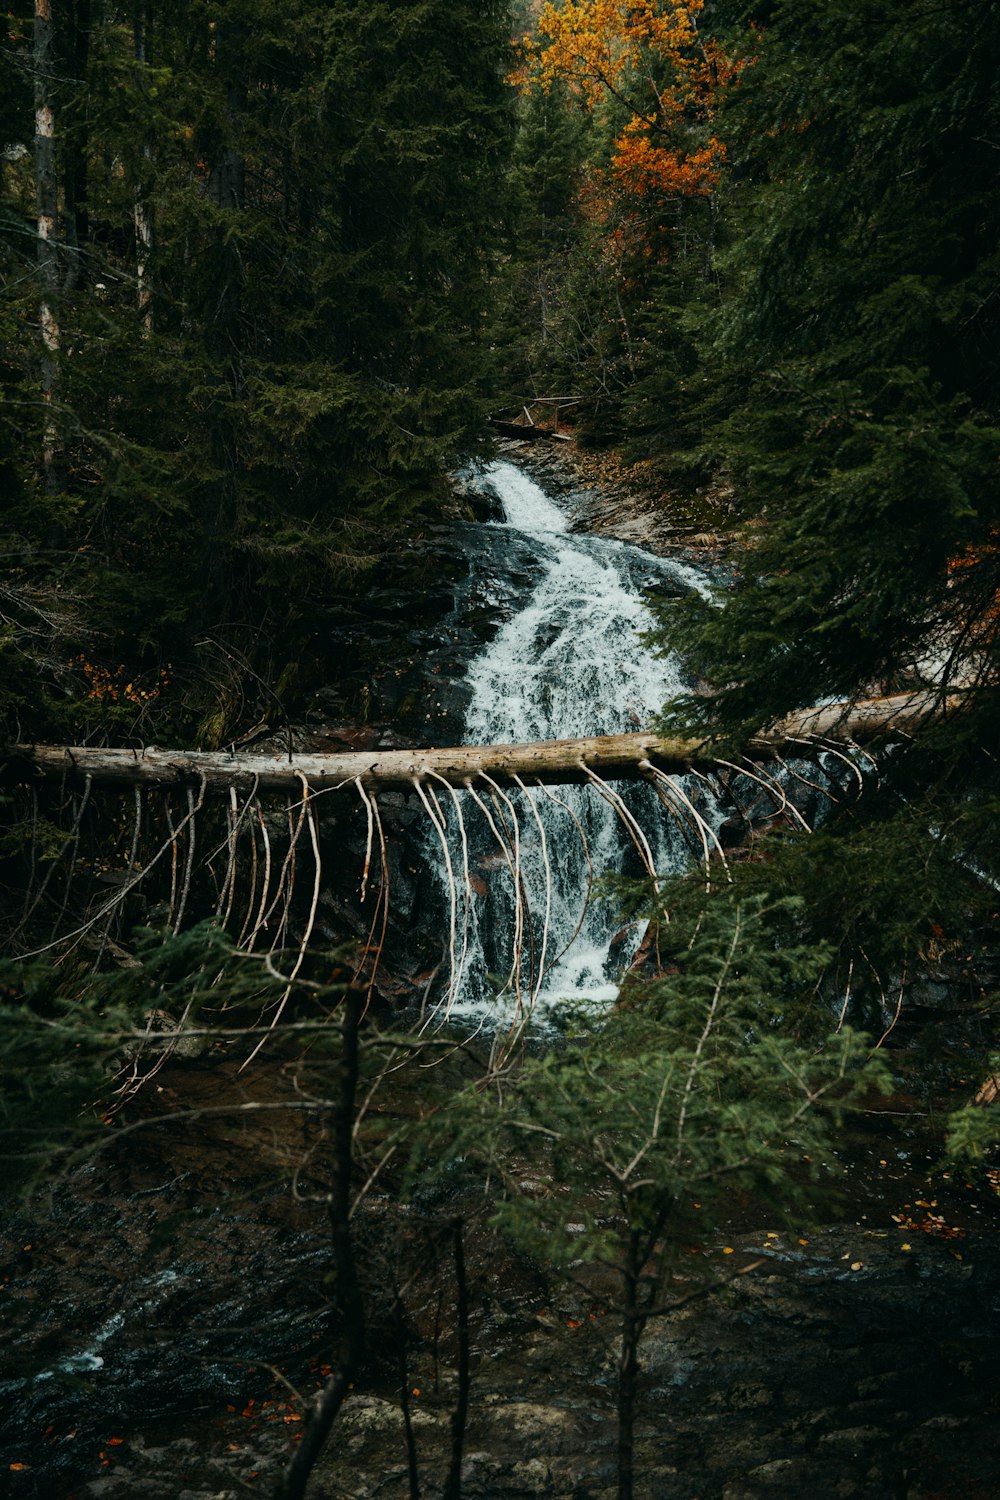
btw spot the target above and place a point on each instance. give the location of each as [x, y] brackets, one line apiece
[170, 1301]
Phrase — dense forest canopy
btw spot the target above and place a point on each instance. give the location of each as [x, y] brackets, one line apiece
[265, 275]
[269, 270]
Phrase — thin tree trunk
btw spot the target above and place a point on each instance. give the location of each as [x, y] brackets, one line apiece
[47, 200]
[348, 1307]
[227, 332]
[628, 1366]
[142, 211]
[637, 1302]
[412, 1470]
[76, 132]
[453, 1484]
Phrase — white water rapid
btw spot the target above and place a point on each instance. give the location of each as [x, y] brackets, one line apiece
[569, 662]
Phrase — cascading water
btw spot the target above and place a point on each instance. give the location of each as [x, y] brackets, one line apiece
[568, 663]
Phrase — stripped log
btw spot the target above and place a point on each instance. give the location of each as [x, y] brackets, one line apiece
[547, 762]
[524, 433]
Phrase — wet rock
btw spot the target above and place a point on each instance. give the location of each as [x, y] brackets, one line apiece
[166, 1037]
[629, 503]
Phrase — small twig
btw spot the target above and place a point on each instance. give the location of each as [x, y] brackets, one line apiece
[436, 817]
[548, 889]
[899, 1006]
[632, 827]
[191, 820]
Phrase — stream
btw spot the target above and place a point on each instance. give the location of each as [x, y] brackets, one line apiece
[568, 661]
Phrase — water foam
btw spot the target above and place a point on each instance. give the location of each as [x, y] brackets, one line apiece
[569, 663]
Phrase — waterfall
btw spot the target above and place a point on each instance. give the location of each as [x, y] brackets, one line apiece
[569, 662]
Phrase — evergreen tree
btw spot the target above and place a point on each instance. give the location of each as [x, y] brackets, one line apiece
[847, 388]
[689, 1094]
[274, 236]
[856, 340]
[645, 80]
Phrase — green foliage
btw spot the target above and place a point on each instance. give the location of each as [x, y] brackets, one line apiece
[843, 384]
[596, 294]
[58, 1061]
[876, 892]
[695, 1087]
[258, 402]
[71, 1034]
[973, 1131]
[853, 356]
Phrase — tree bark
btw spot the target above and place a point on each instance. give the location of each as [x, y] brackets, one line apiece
[47, 204]
[551, 762]
[142, 209]
[453, 1481]
[75, 128]
[347, 1300]
[632, 1323]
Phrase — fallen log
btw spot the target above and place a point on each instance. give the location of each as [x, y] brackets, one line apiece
[528, 434]
[551, 762]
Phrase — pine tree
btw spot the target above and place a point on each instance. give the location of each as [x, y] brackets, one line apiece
[273, 240]
[856, 340]
[847, 388]
[689, 1092]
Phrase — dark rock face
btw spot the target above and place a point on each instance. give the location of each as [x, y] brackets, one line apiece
[147, 1288]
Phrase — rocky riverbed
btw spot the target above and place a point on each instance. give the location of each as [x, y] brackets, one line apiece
[167, 1319]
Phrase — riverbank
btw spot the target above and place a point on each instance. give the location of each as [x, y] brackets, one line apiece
[177, 1298]
[629, 502]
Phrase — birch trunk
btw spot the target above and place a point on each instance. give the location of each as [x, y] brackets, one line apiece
[142, 212]
[47, 205]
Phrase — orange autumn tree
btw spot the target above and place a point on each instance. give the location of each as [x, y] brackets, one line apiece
[648, 56]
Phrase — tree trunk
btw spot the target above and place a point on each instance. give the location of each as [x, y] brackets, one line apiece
[453, 1482]
[75, 127]
[412, 1469]
[142, 210]
[551, 762]
[47, 204]
[628, 1365]
[349, 1310]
